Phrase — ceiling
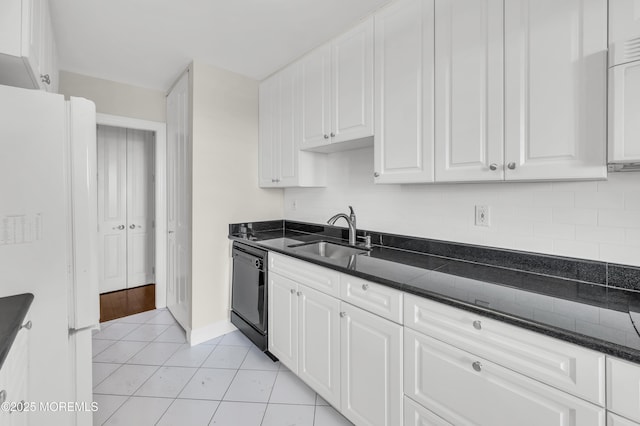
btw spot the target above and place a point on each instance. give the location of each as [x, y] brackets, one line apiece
[148, 43]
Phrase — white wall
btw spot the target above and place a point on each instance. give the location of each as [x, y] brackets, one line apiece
[115, 98]
[591, 220]
[225, 183]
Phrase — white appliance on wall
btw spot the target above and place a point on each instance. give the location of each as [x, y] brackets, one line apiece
[48, 240]
[624, 105]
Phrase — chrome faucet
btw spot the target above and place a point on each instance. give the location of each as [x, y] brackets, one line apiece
[351, 220]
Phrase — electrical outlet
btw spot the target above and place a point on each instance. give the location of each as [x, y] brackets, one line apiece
[482, 216]
[294, 205]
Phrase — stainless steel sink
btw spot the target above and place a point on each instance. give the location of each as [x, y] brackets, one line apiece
[327, 249]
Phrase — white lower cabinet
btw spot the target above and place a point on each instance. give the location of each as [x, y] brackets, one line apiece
[614, 420]
[465, 389]
[283, 320]
[13, 381]
[416, 415]
[371, 358]
[623, 388]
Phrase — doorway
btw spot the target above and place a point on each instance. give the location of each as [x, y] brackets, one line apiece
[132, 192]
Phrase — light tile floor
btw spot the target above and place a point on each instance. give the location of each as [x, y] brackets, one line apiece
[144, 373]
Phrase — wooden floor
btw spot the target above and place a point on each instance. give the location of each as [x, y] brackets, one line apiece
[122, 303]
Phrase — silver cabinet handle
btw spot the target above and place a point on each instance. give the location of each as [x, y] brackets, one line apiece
[170, 232]
[3, 396]
[299, 293]
[493, 166]
[27, 325]
[293, 291]
[477, 325]
[343, 314]
[326, 136]
[333, 135]
[120, 227]
[477, 366]
[376, 174]
[365, 286]
[511, 166]
[45, 78]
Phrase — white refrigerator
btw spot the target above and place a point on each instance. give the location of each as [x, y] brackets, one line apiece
[48, 241]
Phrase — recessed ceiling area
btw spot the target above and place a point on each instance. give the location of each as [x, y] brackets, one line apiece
[148, 43]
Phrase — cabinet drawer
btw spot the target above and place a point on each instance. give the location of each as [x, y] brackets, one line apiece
[614, 420]
[465, 389]
[623, 388]
[375, 298]
[565, 366]
[416, 415]
[314, 276]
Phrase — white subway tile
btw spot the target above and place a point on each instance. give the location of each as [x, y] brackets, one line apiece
[600, 200]
[632, 236]
[619, 218]
[632, 200]
[599, 234]
[620, 181]
[554, 199]
[575, 186]
[575, 216]
[619, 253]
[554, 230]
[586, 250]
[533, 214]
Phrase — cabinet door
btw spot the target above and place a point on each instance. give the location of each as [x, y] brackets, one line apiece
[269, 114]
[352, 66]
[403, 144]
[469, 90]
[33, 37]
[624, 20]
[613, 420]
[283, 320]
[319, 343]
[14, 378]
[371, 359]
[623, 388]
[624, 112]
[287, 164]
[416, 415]
[555, 89]
[466, 390]
[315, 86]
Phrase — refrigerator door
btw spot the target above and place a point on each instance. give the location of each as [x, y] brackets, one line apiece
[84, 308]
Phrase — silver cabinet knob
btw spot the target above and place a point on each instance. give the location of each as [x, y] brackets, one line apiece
[477, 366]
[333, 135]
[511, 166]
[343, 314]
[3, 396]
[27, 325]
[293, 291]
[45, 78]
[493, 166]
[120, 227]
[299, 293]
[132, 226]
[326, 136]
[170, 232]
[376, 174]
[477, 325]
[365, 286]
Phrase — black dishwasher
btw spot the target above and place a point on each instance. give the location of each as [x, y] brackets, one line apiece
[249, 293]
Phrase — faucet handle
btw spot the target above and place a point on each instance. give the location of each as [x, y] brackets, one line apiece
[351, 209]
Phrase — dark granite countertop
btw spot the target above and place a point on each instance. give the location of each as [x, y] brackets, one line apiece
[591, 315]
[13, 310]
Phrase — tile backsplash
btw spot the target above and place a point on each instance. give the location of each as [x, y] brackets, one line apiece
[598, 220]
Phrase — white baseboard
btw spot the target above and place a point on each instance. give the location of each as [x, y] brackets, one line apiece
[210, 331]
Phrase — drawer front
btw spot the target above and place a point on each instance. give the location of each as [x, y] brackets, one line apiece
[614, 420]
[465, 389]
[565, 366]
[375, 298]
[314, 276]
[416, 415]
[623, 388]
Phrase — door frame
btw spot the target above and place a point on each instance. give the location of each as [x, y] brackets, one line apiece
[160, 131]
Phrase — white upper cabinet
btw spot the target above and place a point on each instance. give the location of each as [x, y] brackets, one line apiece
[624, 20]
[555, 89]
[624, 111]
[282, 164]
[27, 49]
[337, 90]
[404, 92]
[469, 90]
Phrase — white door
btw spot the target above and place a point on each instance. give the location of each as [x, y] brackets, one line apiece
[315, 86]
[352, 83]
[112, 208]
[469, 90]
[403, 143]
[140, 208]
[283, 320]
[371, 360]
[464, 389]
[319, 343]
[179, 202]
[555, 89]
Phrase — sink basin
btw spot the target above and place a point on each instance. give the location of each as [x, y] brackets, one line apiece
[327, 249]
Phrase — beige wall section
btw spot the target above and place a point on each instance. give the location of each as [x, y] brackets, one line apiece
[225, 182]
[115, 98]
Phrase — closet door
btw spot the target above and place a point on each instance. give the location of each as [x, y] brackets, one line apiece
[112, 207]
[140, 208]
